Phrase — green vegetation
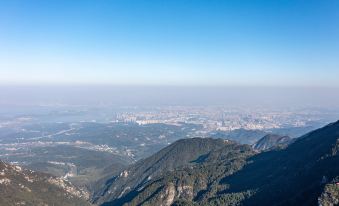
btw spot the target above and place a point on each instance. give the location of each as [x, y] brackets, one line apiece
[190, 169]
[181, 154]
[235, 175]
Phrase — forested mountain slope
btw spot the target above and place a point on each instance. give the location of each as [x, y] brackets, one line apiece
[181, 154]
[234, 174]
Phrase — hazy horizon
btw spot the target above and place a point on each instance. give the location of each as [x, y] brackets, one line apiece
[247, 97]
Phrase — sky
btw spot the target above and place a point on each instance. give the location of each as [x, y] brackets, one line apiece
[280, 43]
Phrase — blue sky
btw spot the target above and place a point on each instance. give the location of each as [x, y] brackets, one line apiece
[211, 42]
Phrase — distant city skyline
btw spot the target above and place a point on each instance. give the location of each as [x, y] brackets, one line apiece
[185, 43]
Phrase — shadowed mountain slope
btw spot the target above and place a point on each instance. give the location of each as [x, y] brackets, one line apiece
[292, 176]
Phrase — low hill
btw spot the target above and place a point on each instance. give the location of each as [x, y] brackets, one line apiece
[272, 141]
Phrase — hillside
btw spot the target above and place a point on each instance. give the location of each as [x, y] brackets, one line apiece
[82, 167]
[172, 163]
[234, 175]
[20, 186]
[182, 153]
[292, 176]
[271, 141]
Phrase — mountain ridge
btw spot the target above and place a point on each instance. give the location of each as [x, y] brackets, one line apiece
[182, 153]
[238, 175]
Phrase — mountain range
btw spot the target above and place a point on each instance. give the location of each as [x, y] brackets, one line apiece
[303, 173]
[276, 170]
